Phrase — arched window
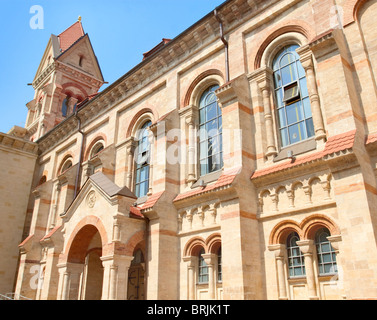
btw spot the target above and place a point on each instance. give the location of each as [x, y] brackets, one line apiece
[66, 165]
[325, 253]
[97, 148]
[142, 161]
[203, 269]
[210, 126]
[296, 264]
[294, 113]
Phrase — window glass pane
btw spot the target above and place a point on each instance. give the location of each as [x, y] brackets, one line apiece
[203, 133]
[310, 128]
[287, 59]
[203, 166]
[210, 98]
[297, 132]
[211, 111]
[301, 71]
[289, 74]
[304, 88]
[294, 112]
[212, 128]
[277, 79]
[203, 149]
[282, 120]
[284, 137]
[137, 190]
[202, 115]
[307, 108]
[220, 123]
[279, 98]
[144, 173]
[215, 142]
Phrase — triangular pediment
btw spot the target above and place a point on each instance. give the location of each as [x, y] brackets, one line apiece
[100, 194]
[51, 52]
[81, 56]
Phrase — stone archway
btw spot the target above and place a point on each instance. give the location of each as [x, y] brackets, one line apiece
[82, 274]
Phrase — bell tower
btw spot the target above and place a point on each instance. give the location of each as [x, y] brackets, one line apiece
[67, 76]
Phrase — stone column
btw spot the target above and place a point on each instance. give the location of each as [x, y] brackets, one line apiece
[307, 248]
[130, 145]
[280, 252]
[52, 220]
[263, 77]
[306, 58]
[191, 264]
[115, 277]
[210, 259]
[190, 115]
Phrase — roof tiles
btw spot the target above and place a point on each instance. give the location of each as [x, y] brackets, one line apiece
[225, 179]
[334, 144]
[69, 36]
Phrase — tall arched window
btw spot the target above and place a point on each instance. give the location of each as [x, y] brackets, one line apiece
[294, 113]
[296, 264]
[203, 276]
[210, 126]
[325, 253]
[142, 161]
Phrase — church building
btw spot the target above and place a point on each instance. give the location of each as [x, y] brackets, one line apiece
[236, 161]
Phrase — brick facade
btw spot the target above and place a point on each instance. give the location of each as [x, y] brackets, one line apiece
[227, 234]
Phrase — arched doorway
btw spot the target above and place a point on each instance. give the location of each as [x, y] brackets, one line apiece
[85, 265]
[136, 277]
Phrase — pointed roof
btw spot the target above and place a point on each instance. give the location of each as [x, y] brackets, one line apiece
[69, 36]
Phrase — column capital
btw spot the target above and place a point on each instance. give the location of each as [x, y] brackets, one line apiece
[334, 241]
[210, 258]
[306, 56]
[190, 260]
[262, 76]
[278, 249]
[306, 246]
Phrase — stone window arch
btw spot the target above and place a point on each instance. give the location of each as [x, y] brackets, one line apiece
[66, 164]
[139, 146]
[290, 96]
[306, 251]
[202, 120]
[204, 267]
[142, 160]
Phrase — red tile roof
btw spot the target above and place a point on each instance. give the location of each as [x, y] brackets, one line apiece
[334, 144]
[227, 178]
[69, 36]
[151, 201]
[371, 138]
[51, 233]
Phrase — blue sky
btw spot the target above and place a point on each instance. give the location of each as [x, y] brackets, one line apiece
[120, 32]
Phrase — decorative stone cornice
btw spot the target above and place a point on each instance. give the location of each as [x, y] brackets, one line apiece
[15, 142]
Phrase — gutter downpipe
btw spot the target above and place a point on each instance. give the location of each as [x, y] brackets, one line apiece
[81, 154]
[226, 44]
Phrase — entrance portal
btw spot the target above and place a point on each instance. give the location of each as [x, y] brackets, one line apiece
[86, 271]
